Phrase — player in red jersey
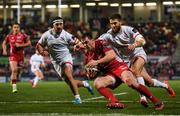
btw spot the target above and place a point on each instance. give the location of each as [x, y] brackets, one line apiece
[101, 54]
[17, 41]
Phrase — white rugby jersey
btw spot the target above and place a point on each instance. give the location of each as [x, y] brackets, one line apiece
[58, 45]
[120, 41]
[36, 60]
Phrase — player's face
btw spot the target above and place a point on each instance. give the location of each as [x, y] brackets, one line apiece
[58, 27]
[115, 25]
[88, 44]
[16, 29]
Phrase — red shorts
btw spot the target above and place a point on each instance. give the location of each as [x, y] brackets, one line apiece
[118, 70]
[17, 57]
[117, 80]
[116, 74]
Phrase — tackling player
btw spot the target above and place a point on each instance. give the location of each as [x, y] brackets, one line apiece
[128, 42]
[58, 41]
[101, 54]
[36, 62]
[17, 41]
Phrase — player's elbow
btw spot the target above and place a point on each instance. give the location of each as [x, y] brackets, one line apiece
[112, 55]
[29, 43]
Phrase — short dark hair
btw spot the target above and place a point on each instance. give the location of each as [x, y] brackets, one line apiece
[115, 16]
[16, 23]
[55, 18]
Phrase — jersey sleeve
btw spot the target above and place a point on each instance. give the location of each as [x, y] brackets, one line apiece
[105, 37]
[70, 38]
[103, 45]
[106, 46]
[43, 40]
[26, 38]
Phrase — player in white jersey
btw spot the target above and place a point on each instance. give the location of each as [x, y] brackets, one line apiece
[36, 62]
[128, 42]
[58, 41]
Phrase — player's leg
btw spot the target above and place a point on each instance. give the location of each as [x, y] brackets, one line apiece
[157, 83]
[101, 84]
[136, 67]
[14, 72]
[38, 76]
[128, 78]
[85, 84]
[68, 73]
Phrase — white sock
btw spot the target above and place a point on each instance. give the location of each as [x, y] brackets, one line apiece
[77, 97]
[14, 86]
[159, 84]
[36, 79]
[85, 83]
[140, 80]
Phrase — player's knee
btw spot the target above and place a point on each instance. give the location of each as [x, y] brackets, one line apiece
[98, 83]
[136, 71]
[15, 71]
[128, 80]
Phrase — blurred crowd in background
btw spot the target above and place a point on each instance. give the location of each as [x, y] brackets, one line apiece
[161, 41]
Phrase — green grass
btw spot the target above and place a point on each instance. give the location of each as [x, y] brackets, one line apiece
[55, 98]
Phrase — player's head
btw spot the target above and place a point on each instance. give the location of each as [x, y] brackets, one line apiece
[57, 24]
[16, 28]
[89, 43]
[115, 22]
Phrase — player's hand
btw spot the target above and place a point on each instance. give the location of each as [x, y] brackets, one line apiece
[91, 72]
[92, 63]
[4, 52]
[17, 45]
[131, 46]
[45, 53]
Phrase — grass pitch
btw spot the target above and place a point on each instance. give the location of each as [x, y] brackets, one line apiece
[55, 98]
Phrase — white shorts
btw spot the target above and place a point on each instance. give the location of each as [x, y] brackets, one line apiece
[58, 66]
[35, 68]
[139, 52]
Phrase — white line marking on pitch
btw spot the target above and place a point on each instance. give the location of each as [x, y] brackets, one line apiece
[88, 100]
[100, 97]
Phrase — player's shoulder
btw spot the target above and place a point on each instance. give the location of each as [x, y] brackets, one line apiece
[65, 33]
[104, 36]
[101, 42]
[129, 29]
[126, 28]
[47, 33]
[22, 34]
[9, 35]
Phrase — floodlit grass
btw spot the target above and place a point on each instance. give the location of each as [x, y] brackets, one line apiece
[55, 98]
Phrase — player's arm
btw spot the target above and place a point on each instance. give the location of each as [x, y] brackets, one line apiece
[42, 50]
[75, 42]
[109, 56]
[25, 44]
[4, 46]
[42, 63]
[28, 42]
[139, 40]
[40, 46]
